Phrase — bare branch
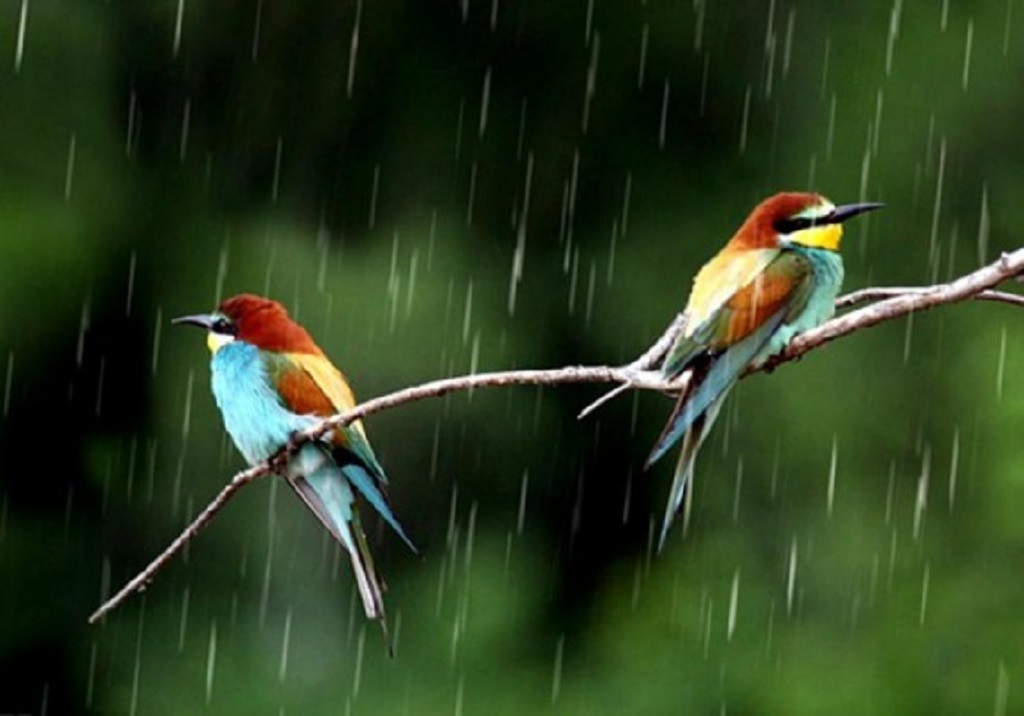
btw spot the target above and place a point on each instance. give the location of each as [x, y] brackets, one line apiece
[143, 578]
[876, 294]
[640, 374]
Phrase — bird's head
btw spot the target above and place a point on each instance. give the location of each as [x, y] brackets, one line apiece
[255, 320]
[797, 219]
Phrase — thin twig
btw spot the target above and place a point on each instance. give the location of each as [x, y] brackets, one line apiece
[891, 303]
[142, 579]
[876, 294]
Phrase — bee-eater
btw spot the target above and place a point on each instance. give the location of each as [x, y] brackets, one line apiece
[777, 277]
[270, 380]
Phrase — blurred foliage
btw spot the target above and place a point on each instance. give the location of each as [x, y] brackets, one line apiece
[375, 166]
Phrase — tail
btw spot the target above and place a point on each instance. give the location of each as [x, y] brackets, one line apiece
[323, 487]
[683, 477]
[711, 377]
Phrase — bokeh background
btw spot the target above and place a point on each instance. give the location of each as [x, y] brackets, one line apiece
[436, 188]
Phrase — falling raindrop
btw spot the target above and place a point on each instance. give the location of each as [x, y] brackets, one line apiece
[1001, 365]
[921, 498]
[933, 242]
[137, 667]
[610, 269]
[83, 327]
[467, 314]
[286, 639]
[771, 42]
[591, 85]
[705, 72]
[257, 22]
[707, 627]
[907, 338]
[698, 26]
[485, 101]
[129, 139]
[90, 684]
[1002, 689]
[833, 463]
[186, 119]
[573, 278]
[69, 171]
[787, 44]
[734, 594]
[353, 50]
[411, 290]
[155, 349]
[222, 269]
[265, 586]
[591, 282]
[954, 464]
[211, 660]
[665, 93]
[471, 201]
[19, 46]
[131, 284]
[890, 493]
[179, 16]
[895, 16]
[556, 676]
[275, 185]
[645, 35]
[791, 576]
[374, 191]
[183, 621]
[984, 226]
[745, 121]
[186, 419]
[521, 134]
[876, 135]
[968, 46]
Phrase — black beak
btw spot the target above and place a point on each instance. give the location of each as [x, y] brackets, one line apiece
[202, 320]
[848, 211]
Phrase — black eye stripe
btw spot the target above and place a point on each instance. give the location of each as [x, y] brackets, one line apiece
[788, 226]
[223, 326]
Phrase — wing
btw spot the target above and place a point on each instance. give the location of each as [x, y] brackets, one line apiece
[715, 284]
[712, 375]
[734, 296]
[721, 348]
[309, 384]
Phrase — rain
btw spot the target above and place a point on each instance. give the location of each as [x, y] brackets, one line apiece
[442, 190]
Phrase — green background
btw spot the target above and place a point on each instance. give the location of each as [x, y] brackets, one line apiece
[375, 166]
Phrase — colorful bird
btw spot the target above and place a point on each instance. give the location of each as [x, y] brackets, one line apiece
[270, 381]
[777, 277]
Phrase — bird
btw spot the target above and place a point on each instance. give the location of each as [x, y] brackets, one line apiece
[777, 277]
[271, 381]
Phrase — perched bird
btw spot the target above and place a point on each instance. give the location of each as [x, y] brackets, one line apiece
[270, 380]
[777, 277]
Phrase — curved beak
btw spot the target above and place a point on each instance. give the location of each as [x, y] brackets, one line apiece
[848, 211]
[202, 320]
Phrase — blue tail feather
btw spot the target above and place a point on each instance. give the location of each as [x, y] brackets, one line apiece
[719, 376]
[367, 486]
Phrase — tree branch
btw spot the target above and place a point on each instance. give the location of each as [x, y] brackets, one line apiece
[640, 374]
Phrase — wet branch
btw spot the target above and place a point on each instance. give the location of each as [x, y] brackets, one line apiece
[640, 374]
